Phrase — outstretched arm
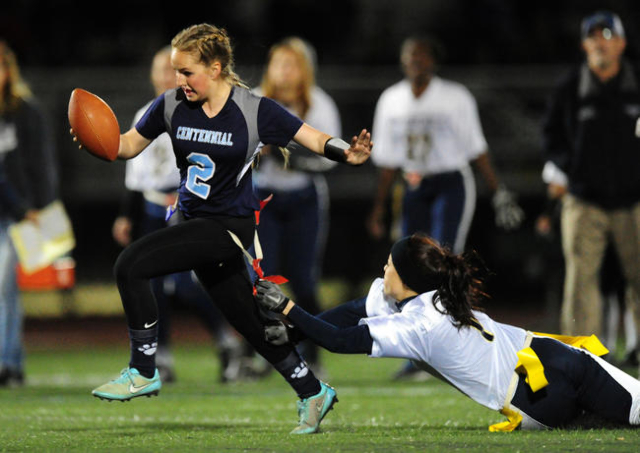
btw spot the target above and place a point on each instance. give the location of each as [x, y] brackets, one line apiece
[347, 314]
[354, 153]
[346, 338]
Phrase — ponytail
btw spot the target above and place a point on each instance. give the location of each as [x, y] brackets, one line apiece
[457, 279]
[463, 288]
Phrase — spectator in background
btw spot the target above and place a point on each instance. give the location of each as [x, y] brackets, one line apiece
[616, 294]
[429, 128]
[27, 155]
[593, 162]
[10, 200]
[293, 228]
[152, 181]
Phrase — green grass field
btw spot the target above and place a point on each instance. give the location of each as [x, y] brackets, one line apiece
[56, 412]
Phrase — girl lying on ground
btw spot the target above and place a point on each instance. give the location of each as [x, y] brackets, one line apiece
[425, 310]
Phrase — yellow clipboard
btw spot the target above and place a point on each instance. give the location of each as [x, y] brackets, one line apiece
[39, 243]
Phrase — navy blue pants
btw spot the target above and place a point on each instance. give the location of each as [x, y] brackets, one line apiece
[186, 290]
[292, 233]
[441, 206]
[577, 383]
[202, 245]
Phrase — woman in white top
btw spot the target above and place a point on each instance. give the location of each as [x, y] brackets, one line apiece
[426, 309]
[428, 128]
[293, 228]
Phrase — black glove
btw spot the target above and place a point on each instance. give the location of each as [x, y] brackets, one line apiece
[270, 296]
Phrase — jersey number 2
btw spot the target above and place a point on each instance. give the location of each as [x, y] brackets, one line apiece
[200, 171]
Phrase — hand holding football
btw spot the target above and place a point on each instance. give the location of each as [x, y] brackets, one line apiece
[94, 124]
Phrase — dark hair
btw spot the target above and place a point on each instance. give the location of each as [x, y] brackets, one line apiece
[461, 277]
[429, 43]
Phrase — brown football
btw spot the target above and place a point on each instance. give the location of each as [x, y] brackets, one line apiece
[94, 124]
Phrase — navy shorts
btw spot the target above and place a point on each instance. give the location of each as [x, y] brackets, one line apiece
[577, 384]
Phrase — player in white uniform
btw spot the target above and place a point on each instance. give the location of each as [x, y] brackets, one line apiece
[429, 128]
[425, 310]
[294, 226]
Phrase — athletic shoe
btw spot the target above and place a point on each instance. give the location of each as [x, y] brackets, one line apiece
[313, 409]
[130, 384]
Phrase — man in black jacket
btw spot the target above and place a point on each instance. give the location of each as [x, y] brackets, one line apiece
[593, 165]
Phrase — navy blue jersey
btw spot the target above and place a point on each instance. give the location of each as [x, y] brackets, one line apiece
[214, 155]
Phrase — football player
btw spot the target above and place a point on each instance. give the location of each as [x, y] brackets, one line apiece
[217, 128]
[426, 309]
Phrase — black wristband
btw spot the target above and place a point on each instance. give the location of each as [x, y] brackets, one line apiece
[334, 149]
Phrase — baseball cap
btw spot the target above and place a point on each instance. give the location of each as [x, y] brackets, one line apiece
[604, 20]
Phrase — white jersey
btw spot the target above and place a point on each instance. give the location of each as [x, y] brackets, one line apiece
[155, 168]
[323, 115]
[479, 367]
[439, 131]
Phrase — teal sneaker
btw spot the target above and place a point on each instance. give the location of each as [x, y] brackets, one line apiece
[313, 409]
[130, 384]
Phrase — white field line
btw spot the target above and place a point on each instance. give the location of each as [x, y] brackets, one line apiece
[46, 417]
[69, 380]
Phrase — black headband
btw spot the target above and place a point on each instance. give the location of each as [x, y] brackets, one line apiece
[409, 271]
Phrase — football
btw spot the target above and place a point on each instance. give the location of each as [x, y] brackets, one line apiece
[94, 124]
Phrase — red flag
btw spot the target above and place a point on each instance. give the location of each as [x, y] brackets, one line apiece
[255, 263]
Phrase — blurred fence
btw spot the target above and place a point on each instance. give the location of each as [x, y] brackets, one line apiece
[511, 100]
